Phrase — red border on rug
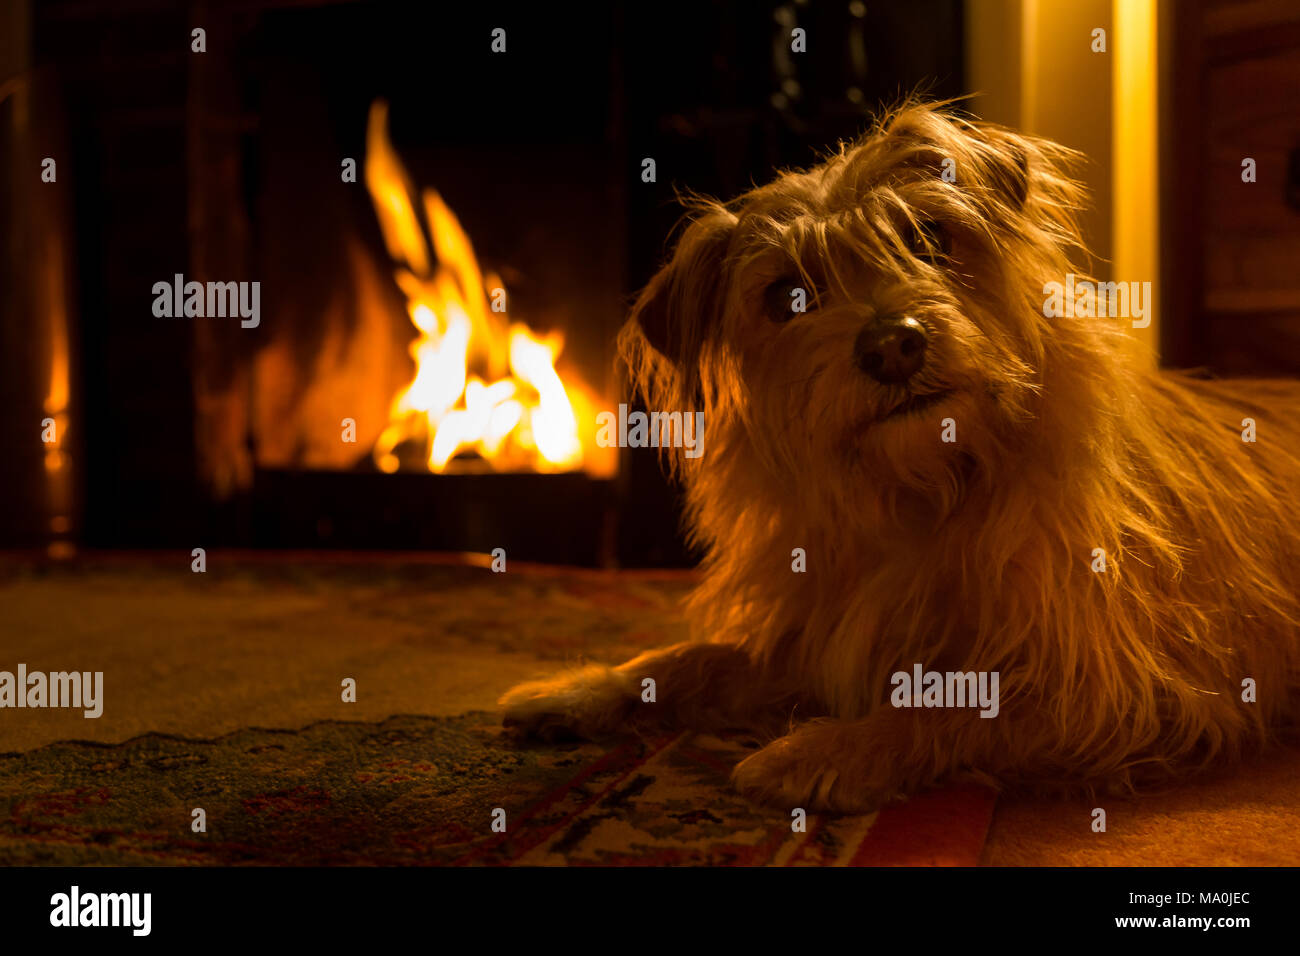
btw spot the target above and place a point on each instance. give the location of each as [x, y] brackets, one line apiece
[934, 828]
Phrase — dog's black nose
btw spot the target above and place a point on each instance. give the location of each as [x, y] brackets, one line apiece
[891, 349]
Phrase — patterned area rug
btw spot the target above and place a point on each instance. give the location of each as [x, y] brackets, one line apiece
[433, 641]
[415, 790]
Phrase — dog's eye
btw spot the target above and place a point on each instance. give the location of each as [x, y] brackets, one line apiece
[928, 240]
[788, 297]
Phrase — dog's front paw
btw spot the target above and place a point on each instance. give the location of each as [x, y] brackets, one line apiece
[809, 768]
[589, 703]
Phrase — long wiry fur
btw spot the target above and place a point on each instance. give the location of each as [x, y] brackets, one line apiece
[968, 555]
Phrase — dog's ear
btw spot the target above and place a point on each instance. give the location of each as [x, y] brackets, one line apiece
[1004, 162]
[685, 298]
[992, 162]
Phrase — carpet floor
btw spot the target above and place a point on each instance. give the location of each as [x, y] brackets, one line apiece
[223, 694]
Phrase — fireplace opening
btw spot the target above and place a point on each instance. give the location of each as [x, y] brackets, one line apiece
[444, 276]
[444, 234]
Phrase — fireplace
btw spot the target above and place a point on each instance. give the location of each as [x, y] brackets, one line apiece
[441, 214]
[442, 279]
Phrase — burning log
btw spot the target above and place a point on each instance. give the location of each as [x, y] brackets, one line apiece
[483, 385]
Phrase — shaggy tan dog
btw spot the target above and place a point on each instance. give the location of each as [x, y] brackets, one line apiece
[974, 482]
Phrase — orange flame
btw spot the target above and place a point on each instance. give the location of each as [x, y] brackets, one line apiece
[482, 384]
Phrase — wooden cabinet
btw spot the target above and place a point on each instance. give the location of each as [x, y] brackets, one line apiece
[1231, 250]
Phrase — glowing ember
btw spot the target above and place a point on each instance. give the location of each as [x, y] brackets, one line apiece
[482, 384]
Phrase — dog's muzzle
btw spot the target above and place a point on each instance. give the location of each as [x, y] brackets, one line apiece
[891, 348]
